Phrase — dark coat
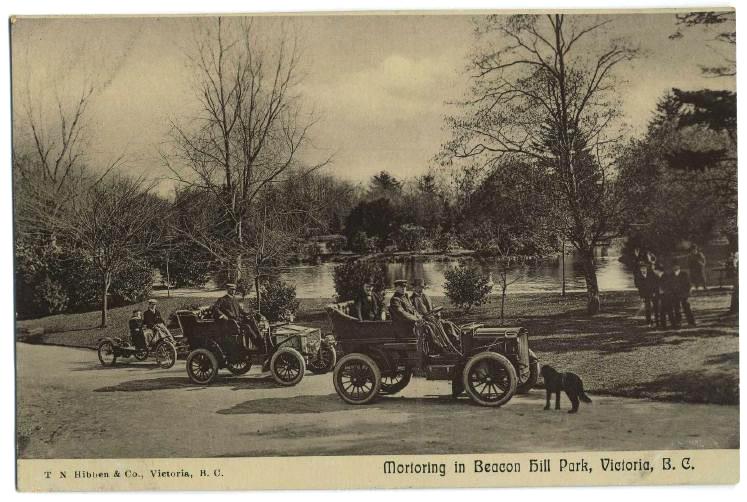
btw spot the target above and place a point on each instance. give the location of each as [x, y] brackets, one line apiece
[228, 306]
[367, 308]
[422, 303]
[676, 286]
[648, 286]
[150, 319]
[401, 309]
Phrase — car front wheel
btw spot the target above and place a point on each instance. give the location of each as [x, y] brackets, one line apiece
[489, 379]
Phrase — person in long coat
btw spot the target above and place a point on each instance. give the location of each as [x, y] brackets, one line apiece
[419, 299]
[696, 262]
[647, 284]
[403, 313]
[367, 306]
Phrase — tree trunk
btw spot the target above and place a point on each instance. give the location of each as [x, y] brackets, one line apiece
[105, 300]
[593, 303]
[259, 295]
[503, 299]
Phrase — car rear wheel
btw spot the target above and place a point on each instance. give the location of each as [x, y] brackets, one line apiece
[325, 361]
[240, 366]
[202, 366]
[165, 353]
[287, 366]
[394, 383]
[489, 379]
[357, 379]
[107, 357]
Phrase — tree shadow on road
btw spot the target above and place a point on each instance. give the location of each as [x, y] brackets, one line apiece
[150, 384]
[332, 403]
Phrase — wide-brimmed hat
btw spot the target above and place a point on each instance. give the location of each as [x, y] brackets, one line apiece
[400, 282]
[152, 301]
[230, 285]
[418, 282]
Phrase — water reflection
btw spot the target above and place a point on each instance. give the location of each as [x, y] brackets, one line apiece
[546, 276]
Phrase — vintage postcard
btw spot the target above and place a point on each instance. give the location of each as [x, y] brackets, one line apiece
[375, 250]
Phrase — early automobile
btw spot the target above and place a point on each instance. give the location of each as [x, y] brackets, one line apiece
[491, 364]
[156, 343]
[285, 349]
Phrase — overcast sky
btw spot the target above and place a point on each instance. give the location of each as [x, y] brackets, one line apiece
[380, 83]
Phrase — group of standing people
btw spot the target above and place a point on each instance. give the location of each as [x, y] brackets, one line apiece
[665, 291]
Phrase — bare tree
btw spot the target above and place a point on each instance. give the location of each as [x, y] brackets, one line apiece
[247, 135]
[544, 91]
[111, 224]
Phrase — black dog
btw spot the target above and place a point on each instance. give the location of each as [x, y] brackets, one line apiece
[569, 382]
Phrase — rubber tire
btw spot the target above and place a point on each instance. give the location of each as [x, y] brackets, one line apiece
[389, 389]
[285, 352]
[171, 352]
[98, 352]
[534, 368]
[332, 360]
[240, 370]
[376, 378]
[211, 359]
[503, 361]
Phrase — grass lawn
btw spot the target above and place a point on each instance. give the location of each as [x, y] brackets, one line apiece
[613, 351]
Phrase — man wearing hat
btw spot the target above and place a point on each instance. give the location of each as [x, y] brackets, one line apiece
[368, 305]
[152, 318]
[400, 307]
[419, 299]
[227, 306]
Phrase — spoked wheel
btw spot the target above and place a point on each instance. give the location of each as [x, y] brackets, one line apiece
[202, 366]
[325, 361]
[357, 379]
[165, 353]
[392, 384]
[287, 366]
[240, 366]
[533, 375]
[489, 379]
[107, 357]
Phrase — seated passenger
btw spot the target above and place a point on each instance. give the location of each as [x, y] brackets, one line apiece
[403, 313]
[419, 299]
[136, 329]
[152, 319]
[367, 306]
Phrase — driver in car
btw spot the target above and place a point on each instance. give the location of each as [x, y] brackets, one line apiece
[419, 299]
[228, 308]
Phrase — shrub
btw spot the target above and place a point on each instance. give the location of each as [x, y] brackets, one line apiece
[444, 242]
[410, 237]
[361, 243]
[49, 297]
[132, 284]
[467, 287]
[278, 300]
[350, 276]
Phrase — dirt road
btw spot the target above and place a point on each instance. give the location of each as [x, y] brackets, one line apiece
[71, 407]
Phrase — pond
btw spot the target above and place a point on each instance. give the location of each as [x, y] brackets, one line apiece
[316, 281]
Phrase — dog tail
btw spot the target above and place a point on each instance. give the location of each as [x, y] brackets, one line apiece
[581, 394]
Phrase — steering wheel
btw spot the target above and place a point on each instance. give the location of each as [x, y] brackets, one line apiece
[434, 311]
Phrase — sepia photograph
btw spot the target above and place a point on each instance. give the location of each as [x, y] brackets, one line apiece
[418, 238]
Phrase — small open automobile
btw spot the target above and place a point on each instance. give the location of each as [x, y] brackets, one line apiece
[155, 343]
[286, 349]
[491, 363]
